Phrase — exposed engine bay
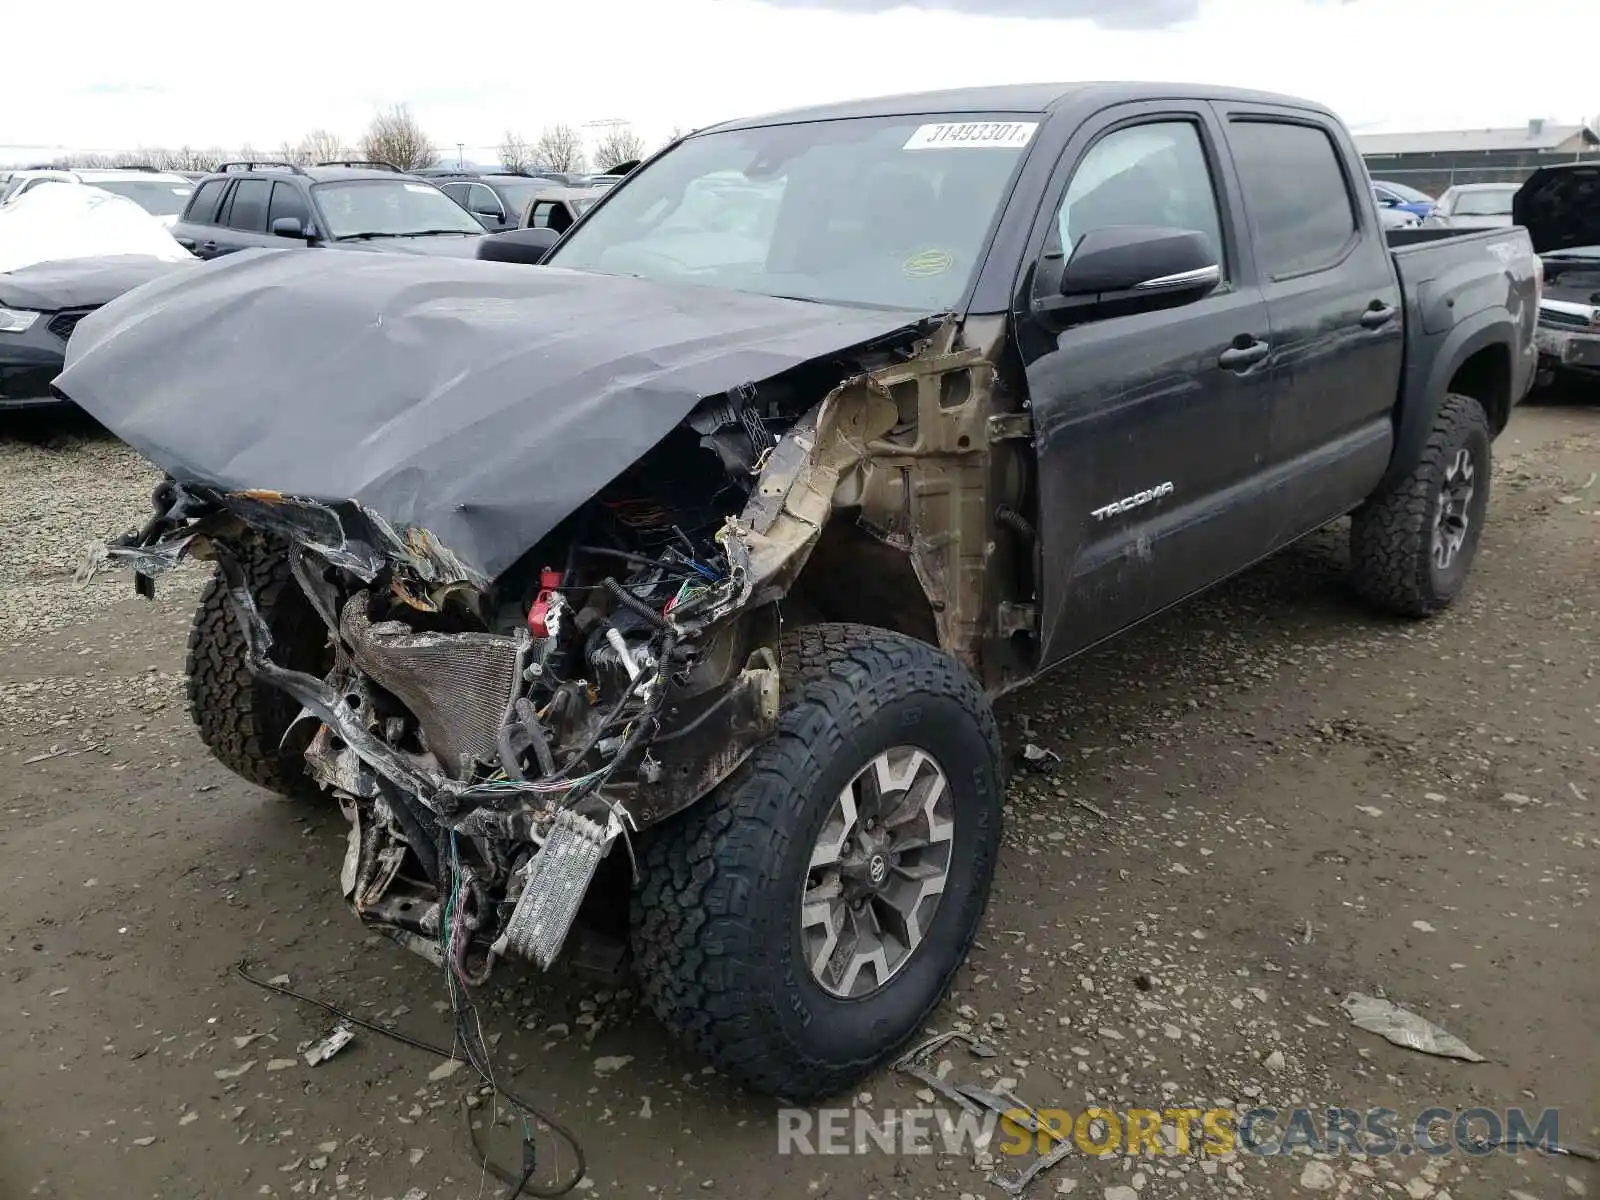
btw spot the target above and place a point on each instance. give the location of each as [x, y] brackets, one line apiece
[489, 746]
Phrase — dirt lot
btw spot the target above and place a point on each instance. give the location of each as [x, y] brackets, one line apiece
[1283, 799]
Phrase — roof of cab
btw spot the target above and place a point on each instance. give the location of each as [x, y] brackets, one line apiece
[1019, 98]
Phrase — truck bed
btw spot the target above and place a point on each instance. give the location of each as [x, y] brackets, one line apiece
[1459, 285]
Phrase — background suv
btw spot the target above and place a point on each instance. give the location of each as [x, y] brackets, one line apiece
[162, 194]
[348, 206]
[498, 199]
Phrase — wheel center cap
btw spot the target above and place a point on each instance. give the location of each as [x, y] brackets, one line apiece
[877, 869]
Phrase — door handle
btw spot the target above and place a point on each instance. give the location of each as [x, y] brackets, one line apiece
[1378, 315]
[1237, 358]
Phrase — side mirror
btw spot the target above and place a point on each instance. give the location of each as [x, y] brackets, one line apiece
[517, 245]
[1140, 266]
[481, 209]
[288, 227]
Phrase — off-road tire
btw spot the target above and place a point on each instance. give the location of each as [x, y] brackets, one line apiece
[1391, 551]
[715, 917]
[241, 719]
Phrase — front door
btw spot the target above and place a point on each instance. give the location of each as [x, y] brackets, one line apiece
[1151, 426]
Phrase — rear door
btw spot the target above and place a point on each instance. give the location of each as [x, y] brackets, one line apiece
[196, 229]
[1334, 304]
[1149, 426]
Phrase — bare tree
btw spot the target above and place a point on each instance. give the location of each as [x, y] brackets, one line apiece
[397, 137]
[560, 149]
[192, 158]
[320, 145]
[621, 144]
[515, 152]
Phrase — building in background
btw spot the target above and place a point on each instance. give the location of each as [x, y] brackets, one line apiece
[1432, 162]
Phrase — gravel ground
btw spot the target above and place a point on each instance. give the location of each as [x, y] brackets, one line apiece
[1265, 801]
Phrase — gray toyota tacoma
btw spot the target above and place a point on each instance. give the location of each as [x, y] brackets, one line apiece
[683, 569]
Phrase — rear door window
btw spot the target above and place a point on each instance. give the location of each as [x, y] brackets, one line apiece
[1296, 194]
[202, 209]
[248, 212]
[550, 214]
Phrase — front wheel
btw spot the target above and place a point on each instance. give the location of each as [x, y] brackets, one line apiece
[241, 719]
[1412, 548]
[797, 926]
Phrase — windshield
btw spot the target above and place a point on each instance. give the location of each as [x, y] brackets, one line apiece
[885, 212]
[390, 208]
[156, 198]
[1493, 203]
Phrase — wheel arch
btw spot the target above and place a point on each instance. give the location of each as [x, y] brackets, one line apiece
[1475, 359]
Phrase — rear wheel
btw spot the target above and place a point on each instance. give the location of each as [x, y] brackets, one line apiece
[1412, 548]
[797, 926]
[241, 719]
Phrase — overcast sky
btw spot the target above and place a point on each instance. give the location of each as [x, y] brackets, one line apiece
[112, 74]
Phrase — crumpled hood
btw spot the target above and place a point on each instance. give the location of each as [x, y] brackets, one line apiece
[480, 401]
[81, 282]
[1560, 206]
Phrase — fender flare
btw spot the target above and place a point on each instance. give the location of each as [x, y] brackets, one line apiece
[1422, 396]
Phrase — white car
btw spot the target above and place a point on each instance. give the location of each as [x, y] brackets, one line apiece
[162, 194]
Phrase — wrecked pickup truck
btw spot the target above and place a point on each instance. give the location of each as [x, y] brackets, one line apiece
[684, 568]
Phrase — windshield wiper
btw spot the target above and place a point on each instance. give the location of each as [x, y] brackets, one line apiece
[405, 234]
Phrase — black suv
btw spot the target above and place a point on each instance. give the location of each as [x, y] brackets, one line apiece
[498, 199]
[347, 205]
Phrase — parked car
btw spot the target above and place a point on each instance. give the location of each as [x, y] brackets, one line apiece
[1399, 195]
[162, 194]
[499, 200]
[1560, 208]
[520, 537]
[66, 249]
[41, 305]
[338, 206]
[1474, 206]
[559, 208]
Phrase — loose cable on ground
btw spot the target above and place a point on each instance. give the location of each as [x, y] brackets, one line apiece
[517, 1181]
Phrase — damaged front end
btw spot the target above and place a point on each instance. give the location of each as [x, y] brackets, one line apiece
[491, 740]
[488, 751]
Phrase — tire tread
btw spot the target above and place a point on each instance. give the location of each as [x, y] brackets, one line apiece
[241, 719]
[1390, 536]
[690, 914]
